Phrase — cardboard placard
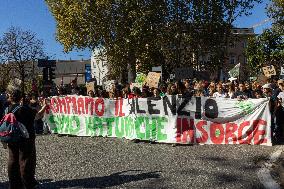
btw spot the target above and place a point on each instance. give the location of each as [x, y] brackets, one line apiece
[268, 71]
[90, 86]
[138, 85]
[282, 71]
[153, 79]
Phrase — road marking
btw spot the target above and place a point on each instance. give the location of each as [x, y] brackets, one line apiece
[264, 172]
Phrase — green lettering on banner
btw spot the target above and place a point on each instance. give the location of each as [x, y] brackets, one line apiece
[161, 125]
[119, 127]
[129, 127]
[92, 125]
[98, 124]
[109, 122]
[58, 123]
[65, 123]
[52, 121]
[150, 128]
[89, 126]
[138, 124]
[74, 130]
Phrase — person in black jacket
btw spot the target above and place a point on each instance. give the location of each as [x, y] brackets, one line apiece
[22, 155]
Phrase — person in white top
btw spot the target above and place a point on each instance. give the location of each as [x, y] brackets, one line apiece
[279, 113]
[220, 92]
[280, 96]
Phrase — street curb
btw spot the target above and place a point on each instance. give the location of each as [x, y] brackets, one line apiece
[264, 174]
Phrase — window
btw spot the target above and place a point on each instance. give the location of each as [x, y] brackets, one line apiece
[245, 44]
[245, 60]
[232, 59]
[232, 45]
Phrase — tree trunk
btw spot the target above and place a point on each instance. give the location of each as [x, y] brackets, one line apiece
[22, 69]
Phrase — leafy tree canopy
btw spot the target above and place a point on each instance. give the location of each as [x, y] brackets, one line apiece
[265, 49]
[276, 13]
[148, 31]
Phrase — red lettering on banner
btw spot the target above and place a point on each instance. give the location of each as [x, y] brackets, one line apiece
[53, 108]
[68, 101]
[248, 133]
[92, 104]
[258, 133]
[213, 133]
[121, 114]
[179, 130]
[100, 101]
[88, 100]
[81, 106]
[74, 105]
[231, 128]
[61, 102]
[185, 130]
[116, 107]
[204, 135]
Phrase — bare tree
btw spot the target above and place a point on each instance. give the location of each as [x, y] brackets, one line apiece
[20, 48]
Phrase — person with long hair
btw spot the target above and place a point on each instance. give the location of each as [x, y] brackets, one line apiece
[22, 155]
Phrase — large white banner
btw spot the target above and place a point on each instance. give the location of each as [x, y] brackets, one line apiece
[170, 119]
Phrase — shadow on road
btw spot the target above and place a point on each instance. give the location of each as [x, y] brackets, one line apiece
[115, 179]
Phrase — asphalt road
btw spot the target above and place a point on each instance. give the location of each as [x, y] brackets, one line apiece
[85, 162]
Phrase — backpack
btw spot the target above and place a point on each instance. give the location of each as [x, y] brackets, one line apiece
[12, 130]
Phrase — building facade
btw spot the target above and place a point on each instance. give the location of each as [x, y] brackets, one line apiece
[235, 54]
[99, 67]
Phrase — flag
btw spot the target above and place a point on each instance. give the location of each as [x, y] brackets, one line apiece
[235, 72]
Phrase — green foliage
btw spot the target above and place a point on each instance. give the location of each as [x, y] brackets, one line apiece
[276, 13]
[149, 33]
[265, 49]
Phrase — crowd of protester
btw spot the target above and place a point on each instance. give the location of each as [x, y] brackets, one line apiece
[33, 106]
[273, 89]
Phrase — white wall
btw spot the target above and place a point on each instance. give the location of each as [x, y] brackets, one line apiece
[99, 67]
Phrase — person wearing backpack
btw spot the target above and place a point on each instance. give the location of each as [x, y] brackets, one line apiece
[22, 155]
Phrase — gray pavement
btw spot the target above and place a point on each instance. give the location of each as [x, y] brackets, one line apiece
[85, 162]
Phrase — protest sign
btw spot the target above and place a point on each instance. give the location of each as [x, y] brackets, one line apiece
[90, 86]
[235, 71]
[157, 69]
[268, 71]
[282, 71]
[199, 120]
[183, 73]
[153, 79]
[138, 85]
[140, 78]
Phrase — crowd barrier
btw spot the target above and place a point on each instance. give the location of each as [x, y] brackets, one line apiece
[170, 119]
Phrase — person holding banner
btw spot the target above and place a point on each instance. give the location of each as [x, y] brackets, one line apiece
[279, 113]
[220, 92]
[242, 93]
